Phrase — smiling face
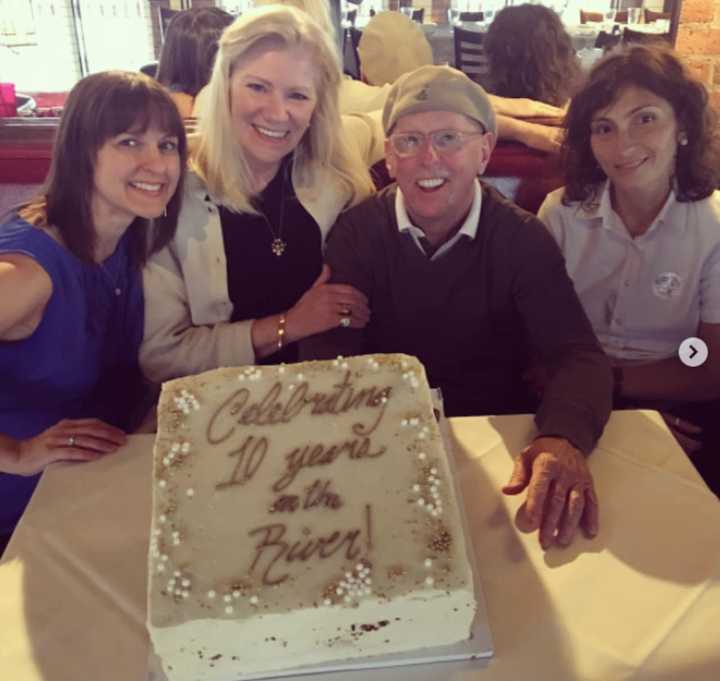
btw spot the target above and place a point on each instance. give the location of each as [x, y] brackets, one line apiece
[634, 140]
[136, 174]
[438, 188]
[273, 93]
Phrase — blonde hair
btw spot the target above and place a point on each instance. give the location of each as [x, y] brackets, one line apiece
[220, 161]
[317, 9]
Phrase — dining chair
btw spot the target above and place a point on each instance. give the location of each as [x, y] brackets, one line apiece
[587, 17]
[652, 15]
[642, 38]
[470, 16]
[351, 58]
[470, 56]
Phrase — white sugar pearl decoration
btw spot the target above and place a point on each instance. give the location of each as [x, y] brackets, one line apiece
[185, 447]
[227, 598]
[162, 484]
[327, 601]
[190, 492]
[428, 563]
[211, 594]
[254, 600]
[422, 456]
[421, 502]
[429, 581]
[236, 594]
[185, 583]
[229, 609]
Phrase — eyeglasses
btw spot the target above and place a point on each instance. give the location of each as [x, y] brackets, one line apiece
[443, 141]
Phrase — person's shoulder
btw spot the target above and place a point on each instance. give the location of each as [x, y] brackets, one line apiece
[379, 205]
[500, 213]
[514, 231]
[709, 207]
[371, 218]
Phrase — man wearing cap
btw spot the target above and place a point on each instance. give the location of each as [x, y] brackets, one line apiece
[477, 289]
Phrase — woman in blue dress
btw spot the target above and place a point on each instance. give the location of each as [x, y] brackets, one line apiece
[71, 302]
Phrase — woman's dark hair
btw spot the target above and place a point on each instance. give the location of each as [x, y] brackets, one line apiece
[190, 46]
[657, 69]
[98, 108]
[531, 55]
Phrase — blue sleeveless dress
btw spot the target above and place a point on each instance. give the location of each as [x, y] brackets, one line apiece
[81, 361]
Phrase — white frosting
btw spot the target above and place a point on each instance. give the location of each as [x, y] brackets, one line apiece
[306, 515]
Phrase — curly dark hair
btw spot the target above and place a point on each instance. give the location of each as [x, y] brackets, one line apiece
[532, 55]
[190, 47]
[657, 69]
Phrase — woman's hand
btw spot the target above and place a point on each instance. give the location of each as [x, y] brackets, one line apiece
[67, 440]
[324, 306]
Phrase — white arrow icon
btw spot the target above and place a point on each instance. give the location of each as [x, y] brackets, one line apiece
[693, 352]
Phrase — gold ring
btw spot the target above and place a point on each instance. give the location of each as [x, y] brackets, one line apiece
[71, 441]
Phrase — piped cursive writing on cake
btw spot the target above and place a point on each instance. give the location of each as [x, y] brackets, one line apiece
[279, 406]
[319, 494]
[274, 551]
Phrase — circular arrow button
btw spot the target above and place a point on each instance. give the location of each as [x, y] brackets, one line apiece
[693, 352]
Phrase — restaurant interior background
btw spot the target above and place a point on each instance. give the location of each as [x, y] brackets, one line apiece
[47, 45]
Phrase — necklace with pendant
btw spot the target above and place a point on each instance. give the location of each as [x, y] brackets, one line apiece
[278, 244]
[113, 281]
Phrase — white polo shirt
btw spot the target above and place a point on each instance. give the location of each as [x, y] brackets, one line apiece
[469, 227]
[643, 296]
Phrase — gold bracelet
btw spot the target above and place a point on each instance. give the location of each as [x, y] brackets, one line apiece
[281, 330]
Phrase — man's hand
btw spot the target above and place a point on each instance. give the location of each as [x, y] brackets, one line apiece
[561, 495]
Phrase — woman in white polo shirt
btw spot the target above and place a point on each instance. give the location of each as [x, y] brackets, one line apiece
[639, 223]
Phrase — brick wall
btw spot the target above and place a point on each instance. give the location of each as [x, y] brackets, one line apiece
[698, 40]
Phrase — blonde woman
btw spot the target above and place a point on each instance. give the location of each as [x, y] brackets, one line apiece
[243, 280]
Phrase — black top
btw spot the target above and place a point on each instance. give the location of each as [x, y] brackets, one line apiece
[476, 317]
[261, 283]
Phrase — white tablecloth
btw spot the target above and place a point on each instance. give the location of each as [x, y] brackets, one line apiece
[641, 602]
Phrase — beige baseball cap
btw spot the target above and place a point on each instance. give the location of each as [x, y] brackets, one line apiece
[391, 45]
[437, 88]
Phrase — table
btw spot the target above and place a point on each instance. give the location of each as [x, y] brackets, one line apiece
[641, 602]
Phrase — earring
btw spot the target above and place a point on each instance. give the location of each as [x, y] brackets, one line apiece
[165, 212]
[683, 139]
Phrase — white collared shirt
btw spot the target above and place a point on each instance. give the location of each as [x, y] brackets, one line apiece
[645, 295]
[469, 227]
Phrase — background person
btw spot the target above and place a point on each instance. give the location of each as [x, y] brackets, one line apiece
[639, 223]
[71, 304]
[531, 55]
[470, 284]
[188, 54]
[275, 164]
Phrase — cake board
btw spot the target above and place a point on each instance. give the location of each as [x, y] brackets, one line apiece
[478, 647]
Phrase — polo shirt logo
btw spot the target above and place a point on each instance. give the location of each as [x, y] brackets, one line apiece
[667, 285]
